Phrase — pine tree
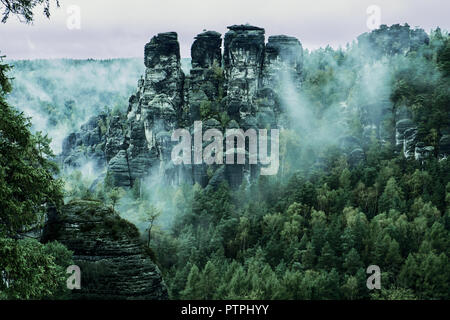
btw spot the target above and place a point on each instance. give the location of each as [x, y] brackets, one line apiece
[350, 288]
[327, 258]
[392, 197]
[309, 257]
[193, 290]
[209, 281]
[352, 262]
[27, 184]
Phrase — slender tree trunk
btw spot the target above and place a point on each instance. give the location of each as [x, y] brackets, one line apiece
[149, 235]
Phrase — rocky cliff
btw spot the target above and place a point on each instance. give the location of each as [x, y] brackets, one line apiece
[389, 41]
[242, 88]
[236, 90]
[114, 263]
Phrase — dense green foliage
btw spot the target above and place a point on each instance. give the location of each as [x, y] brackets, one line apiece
[311, 231]
[27, 186]
[313, 237]
[31, 270]
[28, 269]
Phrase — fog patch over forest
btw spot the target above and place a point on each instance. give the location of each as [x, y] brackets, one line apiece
[61, 95]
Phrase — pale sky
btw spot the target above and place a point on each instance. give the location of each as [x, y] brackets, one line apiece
[120, 28]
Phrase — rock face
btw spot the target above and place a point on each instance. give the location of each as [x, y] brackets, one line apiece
[444, 144]
[156, 107]
[88, 143]
[389, 41]
[405, 137]
[114, 264]
[237, 90]
[248, 87]
[204, 93]
[396, 39]
[393, 40]
[407, 142]
[206, 50]
[243, 58]
[281, 73]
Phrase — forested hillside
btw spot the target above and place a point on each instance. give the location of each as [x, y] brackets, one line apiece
[311, 231]
[364, 174]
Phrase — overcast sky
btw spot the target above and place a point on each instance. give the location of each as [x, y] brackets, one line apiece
[120, 28]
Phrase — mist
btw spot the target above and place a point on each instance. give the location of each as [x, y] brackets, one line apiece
[61, 95]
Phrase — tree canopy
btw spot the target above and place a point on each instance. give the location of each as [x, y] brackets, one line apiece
[23, 9]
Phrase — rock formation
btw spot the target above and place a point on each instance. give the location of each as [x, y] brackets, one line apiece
[396, 39]
[114, 263]
[88, 143]
[247, 87]
[444, 144]
[237, 90]
[389, 41]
